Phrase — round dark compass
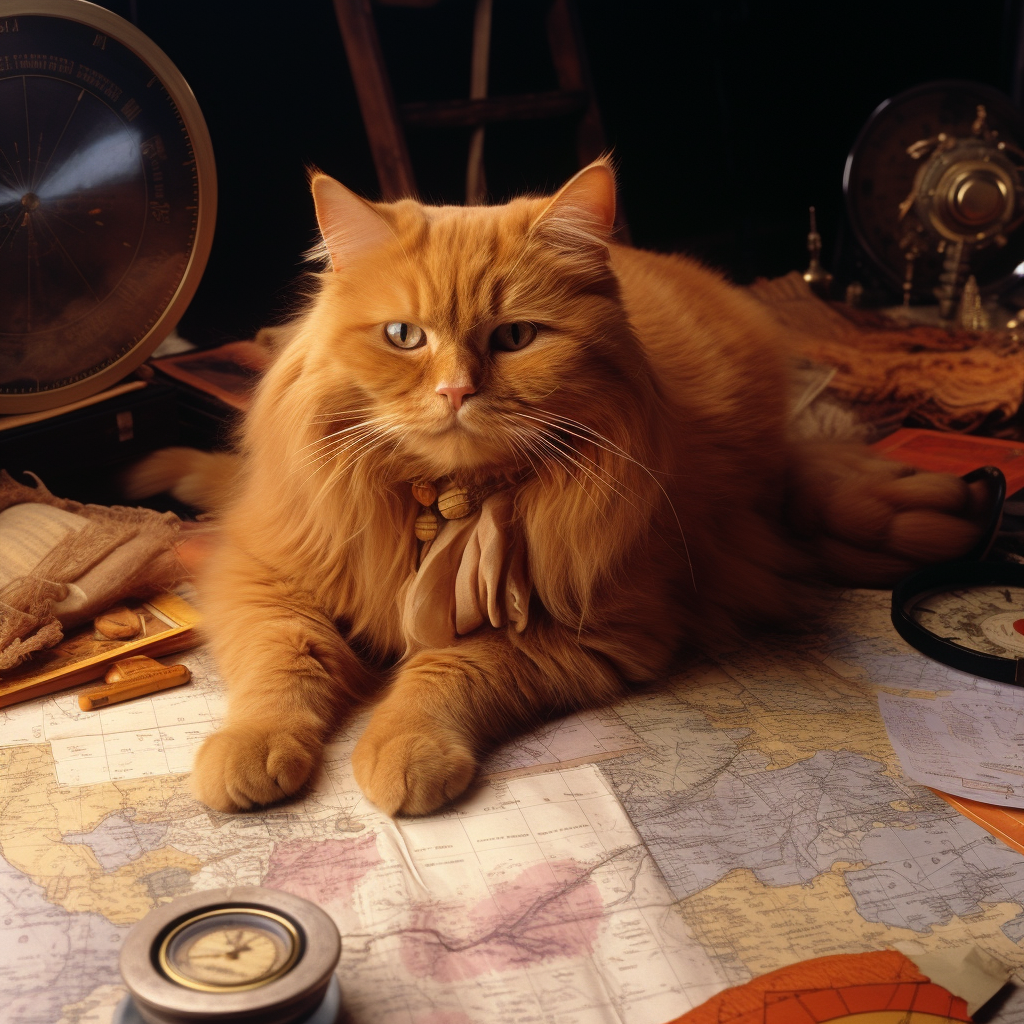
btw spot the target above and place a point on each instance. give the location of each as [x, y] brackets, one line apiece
[935, 166]
[969, 615]
[107, 200]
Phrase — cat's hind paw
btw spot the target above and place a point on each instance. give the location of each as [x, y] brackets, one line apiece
[412, 770]
[243, 766]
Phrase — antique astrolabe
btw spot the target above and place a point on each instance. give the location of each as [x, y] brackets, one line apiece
[934, 189]
[107, 200]
[251, 954]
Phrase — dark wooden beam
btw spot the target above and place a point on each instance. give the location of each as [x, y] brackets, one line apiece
[472, 113]
[376, 101]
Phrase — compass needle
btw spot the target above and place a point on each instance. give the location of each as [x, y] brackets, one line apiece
[28, 130]
[78, 99]
[66, 256]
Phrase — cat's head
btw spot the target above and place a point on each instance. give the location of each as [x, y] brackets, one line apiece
[469, 339]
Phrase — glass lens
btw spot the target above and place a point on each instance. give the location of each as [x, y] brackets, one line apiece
[988, 619]
[231, 949]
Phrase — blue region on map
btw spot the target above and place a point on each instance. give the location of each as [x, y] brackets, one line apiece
[947, 869]
[791, 824]
[116, 841]
[48, 957]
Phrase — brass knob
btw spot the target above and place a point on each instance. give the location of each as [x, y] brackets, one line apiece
[979, 199]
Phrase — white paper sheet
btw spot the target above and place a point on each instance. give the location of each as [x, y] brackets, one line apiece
[968, 743]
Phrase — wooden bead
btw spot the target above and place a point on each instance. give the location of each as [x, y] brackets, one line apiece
[118, 623]
[426, 525]
[455, 503]
[424, 492]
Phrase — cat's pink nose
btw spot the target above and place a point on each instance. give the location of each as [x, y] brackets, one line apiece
[456, 392]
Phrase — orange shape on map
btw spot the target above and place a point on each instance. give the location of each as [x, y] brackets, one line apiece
[856, 988]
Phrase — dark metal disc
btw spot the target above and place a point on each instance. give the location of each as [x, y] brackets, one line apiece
[107, 200]
[879, 175]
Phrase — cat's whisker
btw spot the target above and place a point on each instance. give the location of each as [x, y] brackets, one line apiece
[334, 448]
[561, 445]
[362, 440]
[522, 448]
[555, 448]
[635, 462]
[569, 462]
[612, 478]
[572, 476]
[344, 430]
[350, 462]
[611, 485]
[322, 444]
[342, 414]
[592, 436]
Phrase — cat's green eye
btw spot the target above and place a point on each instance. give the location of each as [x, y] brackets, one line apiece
[404, 335]
[514, 336]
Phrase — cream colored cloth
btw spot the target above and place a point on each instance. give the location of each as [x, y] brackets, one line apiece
[473, 572]
[64, 562]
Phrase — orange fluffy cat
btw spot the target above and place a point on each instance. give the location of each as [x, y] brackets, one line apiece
[614, 422]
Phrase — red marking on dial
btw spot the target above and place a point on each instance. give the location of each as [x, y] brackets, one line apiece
[1019, 625]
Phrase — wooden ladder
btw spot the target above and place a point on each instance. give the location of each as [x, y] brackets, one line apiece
[385, 121]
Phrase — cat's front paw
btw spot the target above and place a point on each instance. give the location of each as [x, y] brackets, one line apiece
[242, 766]
[411, 769]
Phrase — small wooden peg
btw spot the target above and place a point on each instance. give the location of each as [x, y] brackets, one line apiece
[133, 677]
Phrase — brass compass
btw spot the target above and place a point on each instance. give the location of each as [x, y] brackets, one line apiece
[229, 949]
[232, 954]
[107, 200]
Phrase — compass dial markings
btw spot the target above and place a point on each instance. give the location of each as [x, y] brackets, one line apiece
[989, 619]
[67, 257]
[56, 145]
[93, 267]
[10, 182]
[230, 949]
[28, 132]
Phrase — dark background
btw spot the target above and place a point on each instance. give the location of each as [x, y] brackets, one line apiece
[727, 118]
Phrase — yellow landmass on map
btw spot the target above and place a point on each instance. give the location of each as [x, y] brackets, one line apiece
[766, 927]
[791, 713]
[36, 812]
[96, 1008]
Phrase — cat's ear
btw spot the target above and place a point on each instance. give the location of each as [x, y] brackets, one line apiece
[350, 226]
[584, 205]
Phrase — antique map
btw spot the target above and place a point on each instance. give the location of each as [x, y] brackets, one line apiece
[617, 866]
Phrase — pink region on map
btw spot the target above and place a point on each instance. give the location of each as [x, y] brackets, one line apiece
[442, 1017]
[547, 911]
[323, 870]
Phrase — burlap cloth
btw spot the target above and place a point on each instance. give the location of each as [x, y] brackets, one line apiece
[947, 379]
[91, 557]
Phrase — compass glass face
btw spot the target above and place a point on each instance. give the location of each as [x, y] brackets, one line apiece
[989, 619]
[229, 950]
[99, 202]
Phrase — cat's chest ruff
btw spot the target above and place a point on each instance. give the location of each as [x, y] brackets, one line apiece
[471, 570]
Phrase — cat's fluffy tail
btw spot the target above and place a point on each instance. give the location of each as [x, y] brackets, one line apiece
[202, 479]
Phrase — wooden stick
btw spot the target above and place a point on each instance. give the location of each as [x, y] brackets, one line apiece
[476, 182]
[133, 677]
